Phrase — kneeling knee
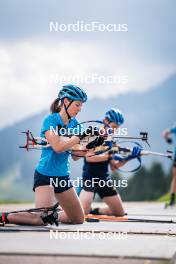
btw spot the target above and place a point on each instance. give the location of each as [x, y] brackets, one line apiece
[119, 214]
[79, 220]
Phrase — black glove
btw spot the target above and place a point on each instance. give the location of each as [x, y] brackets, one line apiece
[90, 131]
[95, 143]
[169, 140]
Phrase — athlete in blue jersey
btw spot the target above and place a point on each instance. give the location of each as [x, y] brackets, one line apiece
[96, 177]
[54, 165]
[170, 136]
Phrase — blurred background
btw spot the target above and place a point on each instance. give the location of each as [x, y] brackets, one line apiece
[35, 62]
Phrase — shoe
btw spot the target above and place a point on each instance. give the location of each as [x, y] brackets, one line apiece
[3, 218]
[95, 211]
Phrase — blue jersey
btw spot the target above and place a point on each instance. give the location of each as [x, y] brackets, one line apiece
[96, 170]
[52, 163]
[173, 131]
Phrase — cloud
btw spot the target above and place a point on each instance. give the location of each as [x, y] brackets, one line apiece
[35, 63]
[32, 73]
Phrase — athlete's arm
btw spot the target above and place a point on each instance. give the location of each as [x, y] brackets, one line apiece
[97, 158]
[59, 143]
[76, 153]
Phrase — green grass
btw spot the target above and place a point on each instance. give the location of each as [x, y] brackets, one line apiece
[164, 198]
[15, 202]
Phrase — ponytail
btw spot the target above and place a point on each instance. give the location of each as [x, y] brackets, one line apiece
[55, 106]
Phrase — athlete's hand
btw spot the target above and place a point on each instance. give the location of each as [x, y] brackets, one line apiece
[136, 152]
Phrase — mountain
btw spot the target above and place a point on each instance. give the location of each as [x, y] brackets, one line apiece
[151, 111]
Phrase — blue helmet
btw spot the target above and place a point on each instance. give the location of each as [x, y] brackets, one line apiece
[72, 92]
[114, 115]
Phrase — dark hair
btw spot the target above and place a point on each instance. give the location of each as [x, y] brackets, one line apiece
[56, 106]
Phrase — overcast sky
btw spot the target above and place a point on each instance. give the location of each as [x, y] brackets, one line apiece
[35, 62]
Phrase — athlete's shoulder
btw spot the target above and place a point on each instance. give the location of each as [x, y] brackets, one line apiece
[54, 117]
[51, 116]
[51, 121]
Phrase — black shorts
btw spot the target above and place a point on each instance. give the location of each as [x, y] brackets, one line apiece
[60, 184]
[103, 187]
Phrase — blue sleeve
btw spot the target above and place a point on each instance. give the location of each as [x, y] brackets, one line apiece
[49, 122]
[173, 130]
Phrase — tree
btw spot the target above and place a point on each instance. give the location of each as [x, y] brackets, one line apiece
[146, 184]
